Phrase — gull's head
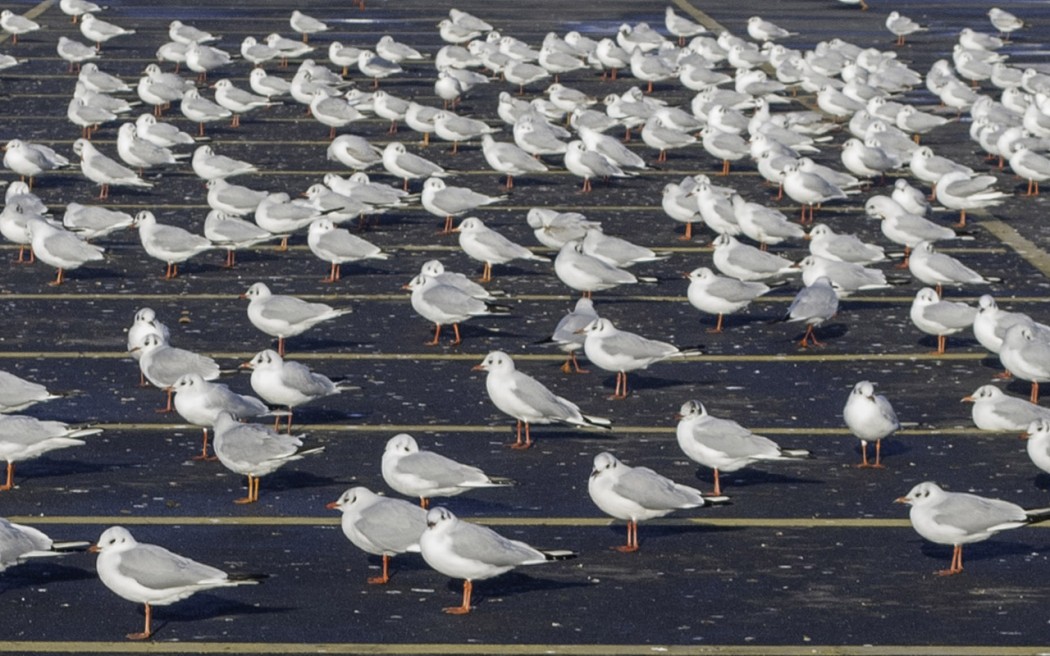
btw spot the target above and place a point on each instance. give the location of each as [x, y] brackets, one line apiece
[496, 361]
[348, 499]
[700, 274]
[257, 290]
[268, 359]
[188, 383]
[436, 517]
[1038, 429]
[604, 462]
[926, 296]
[864, 389]
[921, 494]
[115, 538]
[145, 315]
[469, 224]
[401, 444]
[597, 327]
[691, 410]
[432, 268]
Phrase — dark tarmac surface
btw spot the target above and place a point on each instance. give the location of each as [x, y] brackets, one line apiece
[812, 557]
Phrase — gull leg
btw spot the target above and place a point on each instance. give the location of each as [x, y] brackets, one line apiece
[455, 329]
[58, 279]
[424, 503]
[280, 346]
[632, 538]
[718, 325]
[962, 220]
[878, 455]
[247, 499]
[863, 454]
[718, 484]
[381, 580]
[468, 587]
[956, 566]
[486, 273]
[1035, 392]
[688, 232]
[148, 631]
[203, 455]
[168, 408]
[437, 333]
[10, 477]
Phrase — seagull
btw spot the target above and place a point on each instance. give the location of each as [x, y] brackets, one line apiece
[587, 273]
[721, 295]
[809, 189]
[723, 444]
[1004, 21]
[901, 26]
[29, 159]
[162, 364]
[279, 214]
[24, 438]
[282, 316]
[509, 159]
[238, 100]
[200, 110]
[680, 26]
[473, 553]
[168, 243]
[16, 25]
[105, 171]
[17, 394]
[941, 318]
[77, 8]
[395, 51]
[760, 29]
[425, 474]
[933, 268]
[1026, 354]
[843, 247]
[409, 166]
[165, 135]
[306, 25]
[588, 164]
[443, 304]
[372, 65]
[636, 494]
[145, 323]
[151, 575]
[567, 336]
[232, 233]
[846, 277]
[254, 450]
[75, 52]
[870, 417]
[184, 33]
[19, 543]
[354, 151]
[959, 191]
[338, 246]
[57, 247]
[620, 351]
[199, 402]
[444, 201]
[814, 304]
[286, 383]
[959, 518]
[380, 525]
[994, 410]
[486, 245]
[747, 263]
[1031, 166]
[1038, 445]
[528, 401]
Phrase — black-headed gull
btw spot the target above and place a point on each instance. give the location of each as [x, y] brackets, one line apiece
[486, 245]
[145, 322]
[60, 248]
[443, 303]
[1026, 354]
[567, 336]
[994, 410]
[901, 26]
[105, 171]
[471, 552]
[25, 438]
[286, 383]
[282, 316]
[934, 316]
[723, 444]
[19, 543]
[586, 273]
[162, 364]
[380, 525]
[938, 269]
[425, 474]
[339, 246]
[959, 518]
[721, 295]
[17, 393]
[447, 202]
[509, 159]
[16, 24]
[231, 232]
[620, 351]
[29, 159]
[871, 418]
[254, 450]
[93, 221]
[151, 575]
[306, 25]
[529, 401]
[1004, 21]
[199, 402]
[1038, 445]
[636, 494]
[169, 243]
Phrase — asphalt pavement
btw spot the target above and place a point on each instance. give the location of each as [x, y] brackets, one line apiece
[811, 557]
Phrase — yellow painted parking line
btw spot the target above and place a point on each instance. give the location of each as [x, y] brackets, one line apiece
[516, 649]
[478, 357]
[504, 428]
[334, 520]
[1024, 247]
